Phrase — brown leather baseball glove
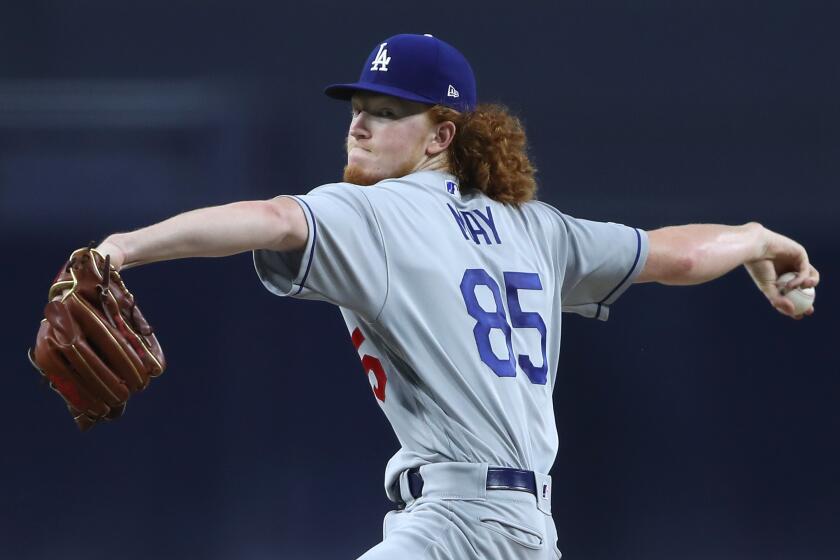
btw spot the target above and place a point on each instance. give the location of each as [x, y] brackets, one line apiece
[94, 345]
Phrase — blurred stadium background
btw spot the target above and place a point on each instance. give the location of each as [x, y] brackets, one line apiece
[696, 423]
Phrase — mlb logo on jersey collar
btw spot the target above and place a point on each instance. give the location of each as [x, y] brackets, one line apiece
[452, 188]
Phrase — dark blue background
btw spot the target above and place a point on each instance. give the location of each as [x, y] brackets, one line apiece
[696, 423]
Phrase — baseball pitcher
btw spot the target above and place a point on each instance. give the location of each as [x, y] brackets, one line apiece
[452, 280]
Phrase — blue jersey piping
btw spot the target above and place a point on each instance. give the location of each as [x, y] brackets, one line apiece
[314, 241]
[629, 272]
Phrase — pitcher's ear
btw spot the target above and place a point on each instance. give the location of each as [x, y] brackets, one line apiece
[444, 134]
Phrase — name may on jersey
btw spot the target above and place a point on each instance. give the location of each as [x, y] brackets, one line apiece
[470, 224]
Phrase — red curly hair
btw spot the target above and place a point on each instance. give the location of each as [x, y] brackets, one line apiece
[489, 153]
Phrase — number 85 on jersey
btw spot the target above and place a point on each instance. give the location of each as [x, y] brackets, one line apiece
[488, 320]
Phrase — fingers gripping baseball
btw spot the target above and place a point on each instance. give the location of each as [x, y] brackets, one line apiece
[782, 255]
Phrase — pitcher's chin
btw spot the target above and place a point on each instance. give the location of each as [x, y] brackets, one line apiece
[356, 175]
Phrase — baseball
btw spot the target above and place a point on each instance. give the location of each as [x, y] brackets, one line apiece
[802, 298]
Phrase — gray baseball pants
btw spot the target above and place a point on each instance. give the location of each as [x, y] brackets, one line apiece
[457, 518]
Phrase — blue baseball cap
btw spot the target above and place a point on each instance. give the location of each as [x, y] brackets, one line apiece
[419, 68]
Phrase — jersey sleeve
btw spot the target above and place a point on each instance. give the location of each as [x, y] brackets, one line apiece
[601, 261]
[344, 258]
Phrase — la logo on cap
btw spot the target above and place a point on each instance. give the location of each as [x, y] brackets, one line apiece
[380, 63]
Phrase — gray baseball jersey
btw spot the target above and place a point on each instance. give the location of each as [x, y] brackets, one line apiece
[455, 304]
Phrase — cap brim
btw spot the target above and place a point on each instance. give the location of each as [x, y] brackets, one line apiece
[346, 91]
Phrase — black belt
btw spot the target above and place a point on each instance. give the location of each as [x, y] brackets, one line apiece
[498, 478]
